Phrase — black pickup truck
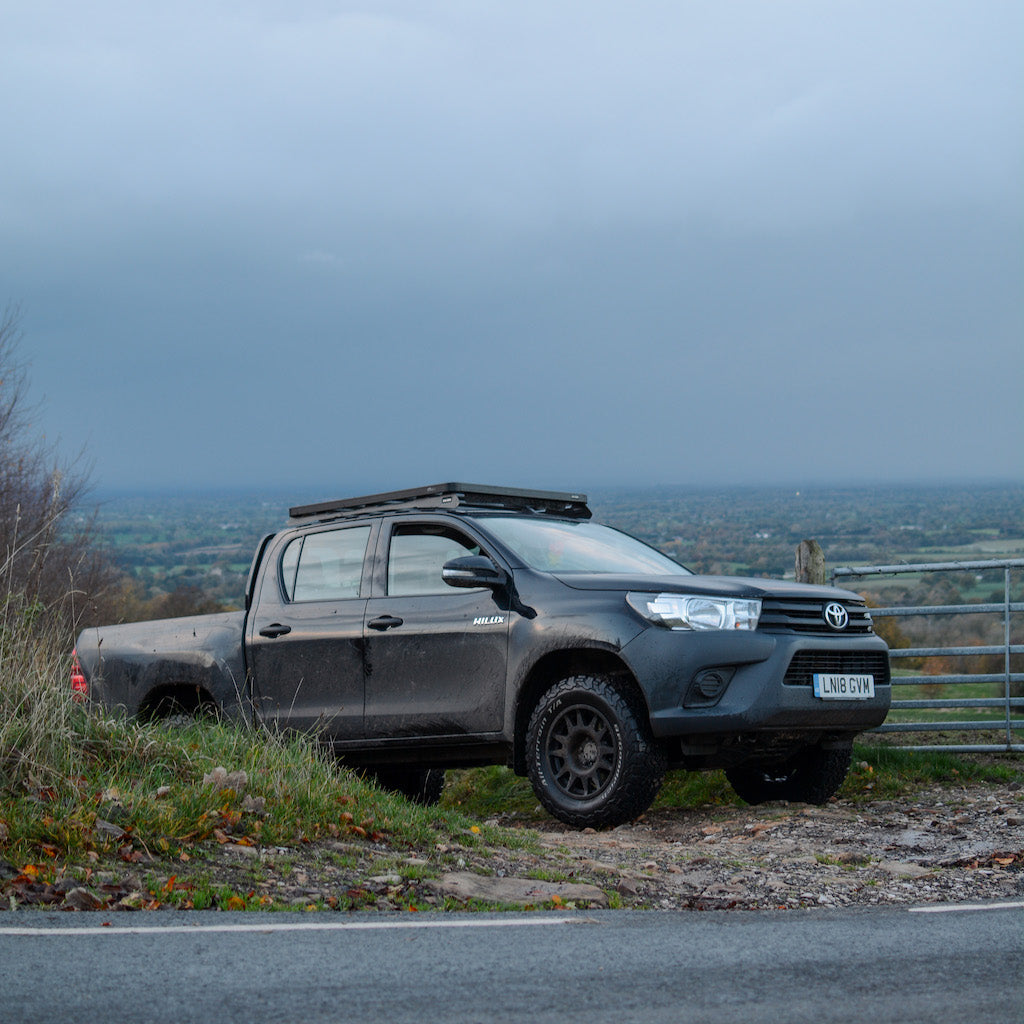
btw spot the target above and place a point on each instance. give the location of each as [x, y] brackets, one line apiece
[458, 624]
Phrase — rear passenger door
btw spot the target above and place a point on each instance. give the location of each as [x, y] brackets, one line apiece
[436, 655]
[305, 633]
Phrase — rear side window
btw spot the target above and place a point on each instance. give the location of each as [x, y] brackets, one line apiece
[325, 566]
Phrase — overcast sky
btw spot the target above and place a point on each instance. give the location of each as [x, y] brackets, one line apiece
[341, 245]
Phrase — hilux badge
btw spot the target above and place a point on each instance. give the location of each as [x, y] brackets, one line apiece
[836, 615]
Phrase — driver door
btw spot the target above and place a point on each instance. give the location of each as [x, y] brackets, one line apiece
[436, 656]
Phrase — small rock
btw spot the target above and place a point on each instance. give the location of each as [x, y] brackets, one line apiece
[220, 778]
[524, 891]
[239, 850]
[108, 828]
[82, 899]
[903, 870]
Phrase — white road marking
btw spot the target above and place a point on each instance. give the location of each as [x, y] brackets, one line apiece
[113, 928]
[953, 908]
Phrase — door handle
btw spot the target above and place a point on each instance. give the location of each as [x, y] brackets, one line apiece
[385, 622]
[275, 629]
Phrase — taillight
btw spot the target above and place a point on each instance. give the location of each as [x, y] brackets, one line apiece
[79, 684]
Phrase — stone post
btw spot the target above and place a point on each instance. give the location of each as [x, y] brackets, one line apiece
[810, 562]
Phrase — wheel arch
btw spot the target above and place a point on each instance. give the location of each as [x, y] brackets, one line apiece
[170, 699]
[560, 665]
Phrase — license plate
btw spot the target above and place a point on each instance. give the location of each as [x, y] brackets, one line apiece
[840, 687]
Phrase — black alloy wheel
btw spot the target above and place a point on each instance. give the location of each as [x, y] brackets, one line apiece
[582, 751]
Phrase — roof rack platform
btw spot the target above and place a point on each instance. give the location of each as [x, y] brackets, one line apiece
[452, 495]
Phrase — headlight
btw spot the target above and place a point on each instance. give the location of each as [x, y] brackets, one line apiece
[692, 611]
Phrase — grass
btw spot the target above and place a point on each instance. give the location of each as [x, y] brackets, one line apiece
[82, 791]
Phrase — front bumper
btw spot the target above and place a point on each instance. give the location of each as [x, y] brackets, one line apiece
[757, 695]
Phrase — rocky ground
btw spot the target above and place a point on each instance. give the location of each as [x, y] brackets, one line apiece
[943, 845]
[960, 845]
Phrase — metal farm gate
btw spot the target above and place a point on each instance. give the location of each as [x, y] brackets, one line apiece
[1005, 726]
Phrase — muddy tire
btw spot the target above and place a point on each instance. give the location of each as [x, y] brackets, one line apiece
[590, 754]
[810, 777]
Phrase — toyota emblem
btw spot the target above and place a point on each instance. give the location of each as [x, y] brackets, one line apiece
[836, 615]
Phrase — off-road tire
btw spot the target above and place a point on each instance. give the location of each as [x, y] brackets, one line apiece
[590, 755]
[174, 713]
[810, 777]
[421, 785]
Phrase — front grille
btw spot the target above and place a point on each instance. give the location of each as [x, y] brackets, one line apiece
[846, 663]
[796, 615]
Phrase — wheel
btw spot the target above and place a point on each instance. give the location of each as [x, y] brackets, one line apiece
[179, 714]
[810, 777]
[590, 755]
[421, 785]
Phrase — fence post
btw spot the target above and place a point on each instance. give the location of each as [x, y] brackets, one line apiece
[810, 562]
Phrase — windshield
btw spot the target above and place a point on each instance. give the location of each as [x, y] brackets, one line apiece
[580, 547]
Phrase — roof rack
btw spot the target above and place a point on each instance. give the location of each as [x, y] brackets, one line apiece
[452, 495]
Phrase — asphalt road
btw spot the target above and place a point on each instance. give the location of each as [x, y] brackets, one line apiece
[870, 965]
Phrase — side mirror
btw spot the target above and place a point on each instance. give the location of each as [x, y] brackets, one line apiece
[471, 571]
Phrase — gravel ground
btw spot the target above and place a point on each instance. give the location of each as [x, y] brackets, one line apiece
[943, 845]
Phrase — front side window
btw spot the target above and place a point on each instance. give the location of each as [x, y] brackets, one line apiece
[417, 554]
[325, 566]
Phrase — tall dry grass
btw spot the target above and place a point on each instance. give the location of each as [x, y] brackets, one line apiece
[40, 726]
